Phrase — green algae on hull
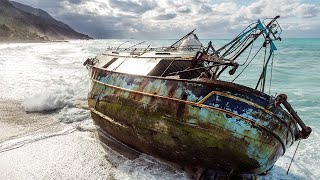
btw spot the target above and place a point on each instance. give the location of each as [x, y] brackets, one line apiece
[199, 136]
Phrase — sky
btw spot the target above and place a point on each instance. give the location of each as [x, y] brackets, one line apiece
[170, 19]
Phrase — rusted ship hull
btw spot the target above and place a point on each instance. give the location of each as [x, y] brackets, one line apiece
[205, 124]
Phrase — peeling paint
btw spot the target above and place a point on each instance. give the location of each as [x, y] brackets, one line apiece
[176, 120]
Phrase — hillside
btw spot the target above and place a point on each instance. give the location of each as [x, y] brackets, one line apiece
[19, 22]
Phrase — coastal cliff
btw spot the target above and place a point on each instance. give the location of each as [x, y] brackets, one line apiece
[19, 22]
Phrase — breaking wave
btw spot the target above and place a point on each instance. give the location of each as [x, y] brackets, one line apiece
[69, 102]
[49, 101]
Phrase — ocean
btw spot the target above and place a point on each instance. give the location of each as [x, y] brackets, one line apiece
[46, 131]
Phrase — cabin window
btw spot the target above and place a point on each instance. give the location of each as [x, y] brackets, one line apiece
[163, 53]
[139, 66]
[183, 68]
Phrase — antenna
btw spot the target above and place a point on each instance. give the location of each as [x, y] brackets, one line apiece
[121, 44]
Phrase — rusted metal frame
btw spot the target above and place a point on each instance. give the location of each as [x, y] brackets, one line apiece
[274, 31]
[212, 48]
[306, 130]
[199, 105]
[256, 37]
[265, 71]
[216, 73]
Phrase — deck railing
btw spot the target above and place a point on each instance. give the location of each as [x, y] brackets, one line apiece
[189, 48]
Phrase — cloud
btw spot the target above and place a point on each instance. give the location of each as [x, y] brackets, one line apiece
[168, 18]
[138, 7]
[285, 8]
[75, 1]
[183, 9]
[165, 16]
[204, 9]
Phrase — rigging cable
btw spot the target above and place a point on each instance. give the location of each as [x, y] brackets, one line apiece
[247, 64]
[293, 157]
[271, 73]
[236, 38]
[248, 56]
[233, 49]
[243, 44]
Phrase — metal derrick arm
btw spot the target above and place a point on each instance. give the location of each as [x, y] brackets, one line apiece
[232, 50]
[305, 130]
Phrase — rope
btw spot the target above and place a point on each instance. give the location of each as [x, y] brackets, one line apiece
[248, 56]
[241, 43]
[247, 64]
[293, 157]
[263, 68]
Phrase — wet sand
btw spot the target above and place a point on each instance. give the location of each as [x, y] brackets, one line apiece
[15, 122]
[38, 146]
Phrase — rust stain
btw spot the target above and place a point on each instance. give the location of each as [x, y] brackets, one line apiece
[165, 120]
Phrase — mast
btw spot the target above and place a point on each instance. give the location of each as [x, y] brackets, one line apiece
[172, 46]
[244, 36]
[262, 31]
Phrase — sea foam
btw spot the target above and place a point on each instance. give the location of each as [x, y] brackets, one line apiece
[49, 101]
[69, 102]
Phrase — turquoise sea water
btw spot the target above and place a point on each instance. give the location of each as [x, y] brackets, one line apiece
[48, 76]
[296, 72]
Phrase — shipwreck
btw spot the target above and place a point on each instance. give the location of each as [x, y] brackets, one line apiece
[171, 103]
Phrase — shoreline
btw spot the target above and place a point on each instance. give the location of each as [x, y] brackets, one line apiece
[30, 41]
[37, 41]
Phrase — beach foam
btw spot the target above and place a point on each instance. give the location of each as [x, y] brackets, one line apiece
[49, 101]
